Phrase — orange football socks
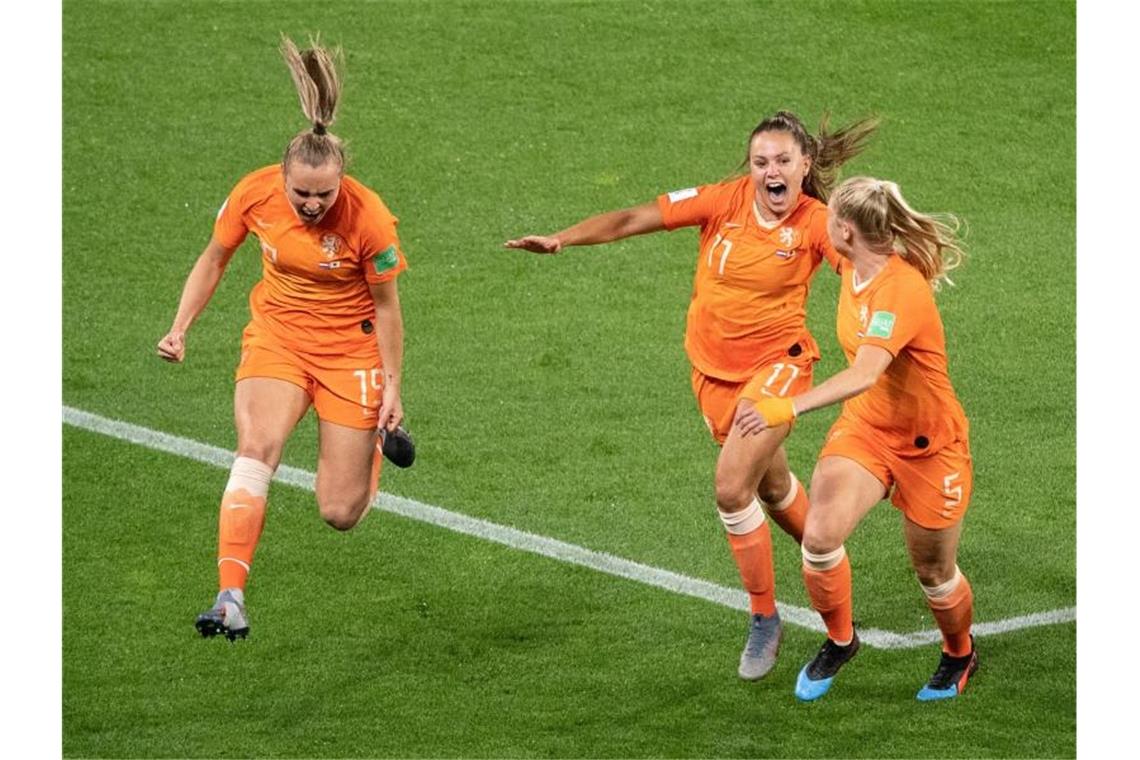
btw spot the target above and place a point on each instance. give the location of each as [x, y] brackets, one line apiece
[790, 512]
[751, 541]
[828, 581]
[953, 606]
[241, 519]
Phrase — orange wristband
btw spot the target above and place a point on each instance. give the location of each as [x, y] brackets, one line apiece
[776, 411]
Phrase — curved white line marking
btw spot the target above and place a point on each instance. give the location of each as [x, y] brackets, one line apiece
[548, 547]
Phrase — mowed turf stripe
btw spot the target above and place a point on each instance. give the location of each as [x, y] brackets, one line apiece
[536, 544]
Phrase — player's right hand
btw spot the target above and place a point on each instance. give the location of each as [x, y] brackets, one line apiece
[536, 244]
[172, 347]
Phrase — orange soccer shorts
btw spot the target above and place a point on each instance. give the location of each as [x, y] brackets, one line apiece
[718, 398]
[345, 388]
[932, 490]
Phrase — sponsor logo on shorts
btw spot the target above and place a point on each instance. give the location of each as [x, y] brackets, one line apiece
[386, 259]
[882, 325]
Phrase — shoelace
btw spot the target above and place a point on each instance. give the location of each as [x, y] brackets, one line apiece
[947, 667]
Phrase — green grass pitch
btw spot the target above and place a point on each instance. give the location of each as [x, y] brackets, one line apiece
[548, 393]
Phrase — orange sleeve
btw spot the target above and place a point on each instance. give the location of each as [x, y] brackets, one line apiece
[229, 227]
[897, 313]
[690, 207]
[821, 241]
[383, 259]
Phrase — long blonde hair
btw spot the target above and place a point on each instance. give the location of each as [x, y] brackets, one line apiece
[928, 242]
[317, 79]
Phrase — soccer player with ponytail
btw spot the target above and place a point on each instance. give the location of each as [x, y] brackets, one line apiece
[902, 430]
[326, 330]
[763, 235]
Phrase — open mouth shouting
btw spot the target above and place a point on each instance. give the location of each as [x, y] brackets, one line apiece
[776, 191]
[310, 216]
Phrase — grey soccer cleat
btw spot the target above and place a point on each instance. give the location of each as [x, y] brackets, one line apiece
[759, 655]
[226, 617]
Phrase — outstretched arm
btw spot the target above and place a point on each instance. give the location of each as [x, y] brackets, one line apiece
[870, 362]
[196, 293]
[602, 228]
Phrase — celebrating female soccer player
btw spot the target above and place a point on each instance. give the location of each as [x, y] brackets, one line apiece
[763, 235]
[326, 330]
[901, 427]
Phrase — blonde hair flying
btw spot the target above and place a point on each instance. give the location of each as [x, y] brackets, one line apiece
[928, 242]
[317, 79]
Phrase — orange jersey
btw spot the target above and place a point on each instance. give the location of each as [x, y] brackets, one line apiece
[314, 292]
[912, 406]
[750, 291]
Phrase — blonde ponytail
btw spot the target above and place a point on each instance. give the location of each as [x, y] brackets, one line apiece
[928, 242]
[317, 80]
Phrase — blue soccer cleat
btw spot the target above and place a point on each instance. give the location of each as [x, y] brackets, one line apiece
[815, 678]
[949, 680]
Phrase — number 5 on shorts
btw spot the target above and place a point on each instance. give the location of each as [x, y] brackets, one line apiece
[952, 492]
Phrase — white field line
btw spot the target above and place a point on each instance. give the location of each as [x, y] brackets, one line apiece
[577, 555]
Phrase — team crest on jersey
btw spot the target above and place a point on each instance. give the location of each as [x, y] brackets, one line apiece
[790, 241]
[864, 315]
[330, 245]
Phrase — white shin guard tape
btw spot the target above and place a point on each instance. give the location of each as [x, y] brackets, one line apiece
[745, 521]
[252, 475]
[789, 497]
[823, 562]
[943, 590]
[233, 559]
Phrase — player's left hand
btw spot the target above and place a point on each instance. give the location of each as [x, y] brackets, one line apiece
[536, 244]
[753, 417]
[391, 409]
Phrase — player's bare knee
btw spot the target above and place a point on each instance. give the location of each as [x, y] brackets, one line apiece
[341, 520]
[774, 487]
[268, 452]
[731, 495]
[343, 514]
[935, 573]
[819, 536]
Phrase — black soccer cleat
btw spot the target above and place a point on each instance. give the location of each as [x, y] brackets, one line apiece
[398, 447]
[949, 680]
[815, 678]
